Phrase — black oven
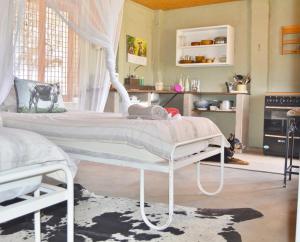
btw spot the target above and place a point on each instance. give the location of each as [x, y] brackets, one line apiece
[275, 121]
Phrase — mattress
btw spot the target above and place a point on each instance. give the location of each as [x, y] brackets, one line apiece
[119, 151]
[157, 137]
[21, 148]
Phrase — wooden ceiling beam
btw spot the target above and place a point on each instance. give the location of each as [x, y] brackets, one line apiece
[174, 4]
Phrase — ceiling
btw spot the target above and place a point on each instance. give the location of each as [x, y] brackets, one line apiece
[173, 4]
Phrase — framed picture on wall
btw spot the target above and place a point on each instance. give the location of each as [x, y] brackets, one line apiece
[136, 50]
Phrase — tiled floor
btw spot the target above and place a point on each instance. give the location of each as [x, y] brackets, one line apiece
[259, 162]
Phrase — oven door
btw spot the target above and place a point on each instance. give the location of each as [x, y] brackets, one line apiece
[275, 145]
[275, 122]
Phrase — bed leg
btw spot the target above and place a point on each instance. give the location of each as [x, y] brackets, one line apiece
[171, 200]
[37, 220]
[70, 207]
[221, 174]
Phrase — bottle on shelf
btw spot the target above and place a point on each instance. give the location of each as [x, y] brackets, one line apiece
[198, 86]
[187, 84]
[142, 81]
[181, 82]
[195, 86]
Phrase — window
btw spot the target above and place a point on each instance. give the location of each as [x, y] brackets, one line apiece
[47, 50]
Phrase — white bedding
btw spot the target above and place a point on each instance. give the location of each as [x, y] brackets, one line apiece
[20, 148]
[156, 136]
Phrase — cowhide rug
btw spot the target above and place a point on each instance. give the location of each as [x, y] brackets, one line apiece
[102, 218]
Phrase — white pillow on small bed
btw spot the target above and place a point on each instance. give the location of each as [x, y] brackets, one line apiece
[21, 148]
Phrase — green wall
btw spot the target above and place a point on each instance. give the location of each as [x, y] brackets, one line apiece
[212, 79]
[257, 48]
[284, 70]
[138, 21]
[259, 68]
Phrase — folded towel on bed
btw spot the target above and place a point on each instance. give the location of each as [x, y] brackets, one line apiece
[153, 112]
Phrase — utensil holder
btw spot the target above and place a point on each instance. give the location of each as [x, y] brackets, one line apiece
[241, 87]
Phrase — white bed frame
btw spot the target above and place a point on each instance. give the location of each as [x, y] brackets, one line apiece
[33, 204]
[169, 168]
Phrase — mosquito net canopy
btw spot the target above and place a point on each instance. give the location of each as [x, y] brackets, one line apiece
[99, 23]
[96, 22]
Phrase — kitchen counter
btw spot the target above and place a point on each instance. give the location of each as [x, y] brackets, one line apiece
[172, 92]
[233, 121]
[282, 94]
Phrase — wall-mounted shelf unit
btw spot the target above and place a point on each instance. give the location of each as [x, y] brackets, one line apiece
[184, 48]
[290, 39]
[203, 46]
[213, 111]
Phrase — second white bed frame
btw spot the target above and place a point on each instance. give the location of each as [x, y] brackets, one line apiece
[45, 196]
[169, 168]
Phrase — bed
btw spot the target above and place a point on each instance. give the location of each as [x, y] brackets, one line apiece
[154, 145]
[24, 158]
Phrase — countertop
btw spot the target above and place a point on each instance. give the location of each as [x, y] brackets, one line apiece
[282, 94]
[172, 92]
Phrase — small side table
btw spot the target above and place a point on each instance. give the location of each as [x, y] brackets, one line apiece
[289, 144]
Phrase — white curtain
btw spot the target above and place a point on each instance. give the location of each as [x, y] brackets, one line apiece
[11, 15]
[98, 22]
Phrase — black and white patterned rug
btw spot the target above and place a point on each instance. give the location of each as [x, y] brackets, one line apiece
[102, 218]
